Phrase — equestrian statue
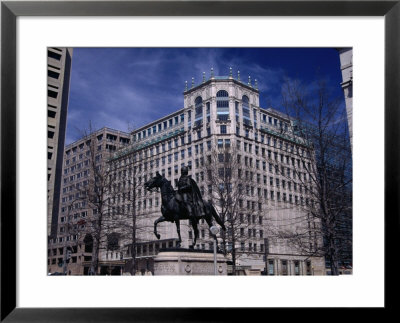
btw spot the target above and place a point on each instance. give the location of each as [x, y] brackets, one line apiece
[184, 204]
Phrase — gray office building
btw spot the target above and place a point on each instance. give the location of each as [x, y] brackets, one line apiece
[59, 62]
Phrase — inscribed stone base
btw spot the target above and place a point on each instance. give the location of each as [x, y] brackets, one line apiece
[188, 262]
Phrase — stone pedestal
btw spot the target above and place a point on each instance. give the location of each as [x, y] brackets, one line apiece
[188, 262]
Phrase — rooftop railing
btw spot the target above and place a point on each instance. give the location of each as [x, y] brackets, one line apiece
[286, 136]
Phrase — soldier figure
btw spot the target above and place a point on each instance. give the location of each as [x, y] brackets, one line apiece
[189, 194]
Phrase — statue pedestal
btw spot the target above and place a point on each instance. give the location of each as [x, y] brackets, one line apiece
[188, 262]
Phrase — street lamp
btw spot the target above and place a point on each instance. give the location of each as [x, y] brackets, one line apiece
[214, 231]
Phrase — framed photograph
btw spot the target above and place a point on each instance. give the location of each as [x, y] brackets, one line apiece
[368, 29]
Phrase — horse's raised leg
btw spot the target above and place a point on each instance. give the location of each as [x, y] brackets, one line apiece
[178, 229]
[160, 219]
[208, 218]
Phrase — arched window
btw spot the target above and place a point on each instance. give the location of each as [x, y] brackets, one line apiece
[222, 105]
[113, 241]
[246, 110]
[198, 117]
[88, 241]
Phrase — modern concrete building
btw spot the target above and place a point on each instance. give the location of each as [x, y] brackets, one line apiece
[223, 114]
[58, 79]
[76, 213]
[346, 65]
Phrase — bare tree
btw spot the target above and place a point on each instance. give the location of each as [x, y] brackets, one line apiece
[232, 190]
[127, 193]
[108, 196]
[320, 172]
[93, 194]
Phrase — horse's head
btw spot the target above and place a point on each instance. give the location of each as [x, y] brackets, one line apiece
[154, 183]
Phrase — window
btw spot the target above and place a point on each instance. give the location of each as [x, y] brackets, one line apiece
[308, 267]
[189, 118]
[223, 129]
[222, 105]
[52, 94]
[208, 111]
[246, 110]
[271, 269]
[53, 74]
[53, 55]
[284, 267]
[296, 267]
[198, 118]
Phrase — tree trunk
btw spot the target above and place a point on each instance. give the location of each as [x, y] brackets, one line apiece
[94, 265]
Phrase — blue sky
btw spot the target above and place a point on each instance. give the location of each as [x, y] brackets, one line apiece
[125, 88]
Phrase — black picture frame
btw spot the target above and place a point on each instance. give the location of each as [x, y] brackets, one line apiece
[10, 10]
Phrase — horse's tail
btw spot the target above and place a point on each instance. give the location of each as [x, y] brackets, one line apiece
[216, 216]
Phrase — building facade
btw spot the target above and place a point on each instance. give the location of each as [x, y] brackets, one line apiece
[82, 160]
[346, 66]
[58, 78]
[222, 118]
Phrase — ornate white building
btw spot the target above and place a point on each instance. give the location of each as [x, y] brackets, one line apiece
[222, 114]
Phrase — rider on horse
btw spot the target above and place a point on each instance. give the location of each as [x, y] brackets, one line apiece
[186, 204]
[189, 195]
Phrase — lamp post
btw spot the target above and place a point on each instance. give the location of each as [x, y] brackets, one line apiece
[266, 246]
[214, 231]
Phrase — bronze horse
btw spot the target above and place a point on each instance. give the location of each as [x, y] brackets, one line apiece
[173, 211]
